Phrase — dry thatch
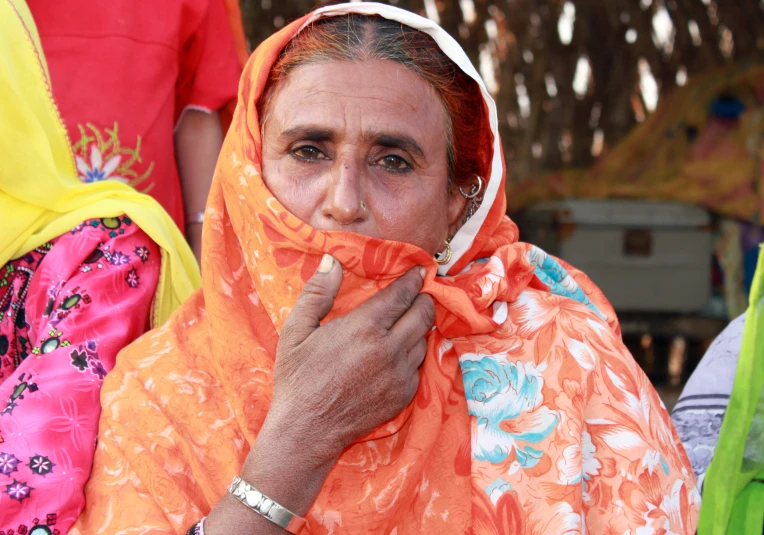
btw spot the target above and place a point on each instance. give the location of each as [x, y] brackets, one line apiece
[571, 77]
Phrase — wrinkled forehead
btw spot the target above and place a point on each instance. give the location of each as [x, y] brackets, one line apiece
[372, 94]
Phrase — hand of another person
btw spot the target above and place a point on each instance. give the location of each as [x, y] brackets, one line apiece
[337, 382]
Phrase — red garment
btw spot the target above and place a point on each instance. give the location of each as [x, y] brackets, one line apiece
[123, 72]
[66, 309]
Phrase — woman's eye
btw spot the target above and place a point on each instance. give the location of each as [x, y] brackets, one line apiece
[307, 153]
[394, 163]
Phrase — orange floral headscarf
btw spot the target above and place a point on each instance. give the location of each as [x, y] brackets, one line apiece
[531, 416]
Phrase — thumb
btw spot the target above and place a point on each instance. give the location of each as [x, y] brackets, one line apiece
[314, 303]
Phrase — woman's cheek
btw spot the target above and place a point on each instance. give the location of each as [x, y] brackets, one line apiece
[423, 227]
[297, 187]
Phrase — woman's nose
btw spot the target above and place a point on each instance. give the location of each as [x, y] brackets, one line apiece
[344, 200]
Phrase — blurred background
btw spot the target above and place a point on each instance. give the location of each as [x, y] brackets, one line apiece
[632, 131]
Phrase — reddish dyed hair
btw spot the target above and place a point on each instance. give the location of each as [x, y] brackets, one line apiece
[359, 38]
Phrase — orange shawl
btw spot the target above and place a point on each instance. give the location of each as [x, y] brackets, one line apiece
[531, 416]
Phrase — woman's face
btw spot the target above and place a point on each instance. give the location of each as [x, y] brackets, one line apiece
[362, 147]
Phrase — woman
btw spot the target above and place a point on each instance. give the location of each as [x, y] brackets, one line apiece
[139, 86]
[373, 350]
[84, 270]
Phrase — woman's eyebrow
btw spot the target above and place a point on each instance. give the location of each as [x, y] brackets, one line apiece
[307, 133]
[397, 141]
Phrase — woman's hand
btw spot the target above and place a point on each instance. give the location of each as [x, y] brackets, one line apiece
[337, 382]
[332, 384]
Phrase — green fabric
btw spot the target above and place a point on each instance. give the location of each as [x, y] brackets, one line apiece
[748, 510]
[732, 501]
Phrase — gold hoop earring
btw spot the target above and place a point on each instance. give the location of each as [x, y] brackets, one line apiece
[444, 257]
[474, 190]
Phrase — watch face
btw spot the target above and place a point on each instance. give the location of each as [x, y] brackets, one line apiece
[253, 497]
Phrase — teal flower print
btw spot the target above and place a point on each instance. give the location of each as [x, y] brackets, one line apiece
[499, 391]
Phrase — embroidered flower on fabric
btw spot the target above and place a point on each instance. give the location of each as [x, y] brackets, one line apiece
[79, 360]
[119, 259]
[40, 465]
[506, 399]
[86, 356]
[18, 490]
[96, 170]
[133, 280]
[142, 253]
[8, 463]
[96, 368]
[99, 155]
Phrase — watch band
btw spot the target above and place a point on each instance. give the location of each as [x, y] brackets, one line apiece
[264, 506]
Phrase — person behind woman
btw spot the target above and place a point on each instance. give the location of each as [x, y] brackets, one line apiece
[720, 419]
[733, 493]
[139, 86]
[373, 349]
[84, 270]
[700, 409]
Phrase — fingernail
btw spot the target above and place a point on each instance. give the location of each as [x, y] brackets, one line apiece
[422, 272]
[326, 264]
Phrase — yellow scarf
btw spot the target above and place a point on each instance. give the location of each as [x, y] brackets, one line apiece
[40, 194]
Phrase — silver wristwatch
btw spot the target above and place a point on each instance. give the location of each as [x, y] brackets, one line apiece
[264, 506]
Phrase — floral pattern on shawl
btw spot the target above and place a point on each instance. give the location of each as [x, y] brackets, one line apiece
[498, 391]
[568, 435]
[578, 419]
